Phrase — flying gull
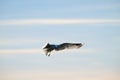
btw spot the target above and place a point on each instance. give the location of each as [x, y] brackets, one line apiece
[50, 47]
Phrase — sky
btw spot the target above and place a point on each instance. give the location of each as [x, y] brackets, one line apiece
[27, 25]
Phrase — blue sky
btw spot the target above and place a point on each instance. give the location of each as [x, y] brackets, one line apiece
[60, 9]
[27, 25]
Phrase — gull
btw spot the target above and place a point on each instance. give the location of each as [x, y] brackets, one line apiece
[50, 47]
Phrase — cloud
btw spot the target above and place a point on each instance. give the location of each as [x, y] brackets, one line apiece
[26, 42]
[40, 51]
[36, 44]
[18, 41]
[56, 21]
[20, 51]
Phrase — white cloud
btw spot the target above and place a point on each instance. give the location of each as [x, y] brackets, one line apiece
[26, 42]
[40, 51]
[57, 21]
[18, 41]
[20, 51]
